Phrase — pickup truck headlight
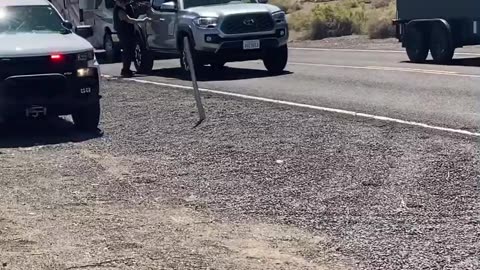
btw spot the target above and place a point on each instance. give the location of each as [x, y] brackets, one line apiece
[279, 17]
[206, 22]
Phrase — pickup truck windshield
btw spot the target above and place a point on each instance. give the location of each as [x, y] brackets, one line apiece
[199, 3]
[30, 19]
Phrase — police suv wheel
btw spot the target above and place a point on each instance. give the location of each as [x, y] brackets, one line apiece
[275, 60]
[87, 118]
[143, 59]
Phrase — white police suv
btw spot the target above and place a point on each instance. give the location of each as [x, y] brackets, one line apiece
[47, 67]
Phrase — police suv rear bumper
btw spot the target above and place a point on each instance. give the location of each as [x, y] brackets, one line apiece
[48, 94]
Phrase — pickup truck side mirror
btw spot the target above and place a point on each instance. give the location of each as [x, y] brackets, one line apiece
[167, 6]
[84, 31]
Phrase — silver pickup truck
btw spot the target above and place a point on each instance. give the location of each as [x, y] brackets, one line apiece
[219, 31]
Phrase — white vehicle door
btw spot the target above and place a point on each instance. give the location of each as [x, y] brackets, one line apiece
[88, 8]
[161, 31]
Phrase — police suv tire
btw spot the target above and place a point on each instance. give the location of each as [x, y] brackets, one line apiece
[87, 118]
[441, 45]
[112, 52]
[143, 60]
[275, 60]
[416, 45]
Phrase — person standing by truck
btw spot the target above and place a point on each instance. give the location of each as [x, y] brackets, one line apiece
[123, 22]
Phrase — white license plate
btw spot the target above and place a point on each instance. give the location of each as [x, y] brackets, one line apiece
[251, 44]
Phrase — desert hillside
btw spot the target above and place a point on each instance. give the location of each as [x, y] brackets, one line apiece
[318, 19]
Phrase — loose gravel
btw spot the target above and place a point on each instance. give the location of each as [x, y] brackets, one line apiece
[256, 186]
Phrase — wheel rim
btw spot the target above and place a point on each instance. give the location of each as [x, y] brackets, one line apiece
[138, 55]
[108, 46]
[439, 46]
[186, 67]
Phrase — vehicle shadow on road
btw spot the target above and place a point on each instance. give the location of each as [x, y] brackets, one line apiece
[464, 62]
[28, 133]
[226, 74]
[102, 60]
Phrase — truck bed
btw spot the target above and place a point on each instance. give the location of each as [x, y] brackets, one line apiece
[446, 9]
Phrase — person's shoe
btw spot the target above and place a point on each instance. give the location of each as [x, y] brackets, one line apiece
[126, 73]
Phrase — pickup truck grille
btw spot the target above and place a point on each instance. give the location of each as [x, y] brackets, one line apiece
[247, 23]
[36, 65]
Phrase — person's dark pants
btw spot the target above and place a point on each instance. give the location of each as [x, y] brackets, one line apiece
[127, 42]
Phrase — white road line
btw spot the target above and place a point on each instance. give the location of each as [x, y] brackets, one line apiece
[313, 107]
[414, 70]
[364, 50]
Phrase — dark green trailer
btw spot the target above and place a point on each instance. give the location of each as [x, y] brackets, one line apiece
[437, 26]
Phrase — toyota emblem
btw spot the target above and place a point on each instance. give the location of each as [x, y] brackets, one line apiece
[249, 22]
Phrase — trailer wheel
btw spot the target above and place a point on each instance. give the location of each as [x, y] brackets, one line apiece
[441, 46]
[417, 45]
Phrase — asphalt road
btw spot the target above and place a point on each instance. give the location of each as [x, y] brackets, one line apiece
[382, 83]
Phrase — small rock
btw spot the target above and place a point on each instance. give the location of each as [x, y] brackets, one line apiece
[4, 264]
[280, 161]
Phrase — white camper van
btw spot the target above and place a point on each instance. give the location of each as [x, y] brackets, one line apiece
[99, 14]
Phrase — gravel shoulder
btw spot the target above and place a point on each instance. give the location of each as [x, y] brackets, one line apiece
[257, 186]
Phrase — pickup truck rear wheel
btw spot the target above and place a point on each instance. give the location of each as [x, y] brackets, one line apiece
[275, 60]
[417, 45]
[143, 58]
[441, 46]
[87, 118]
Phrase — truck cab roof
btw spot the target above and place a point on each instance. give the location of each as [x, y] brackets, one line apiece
[9, 3]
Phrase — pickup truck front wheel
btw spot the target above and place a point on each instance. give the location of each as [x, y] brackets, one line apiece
[275, 60]
[143, 58]
[183, 57]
